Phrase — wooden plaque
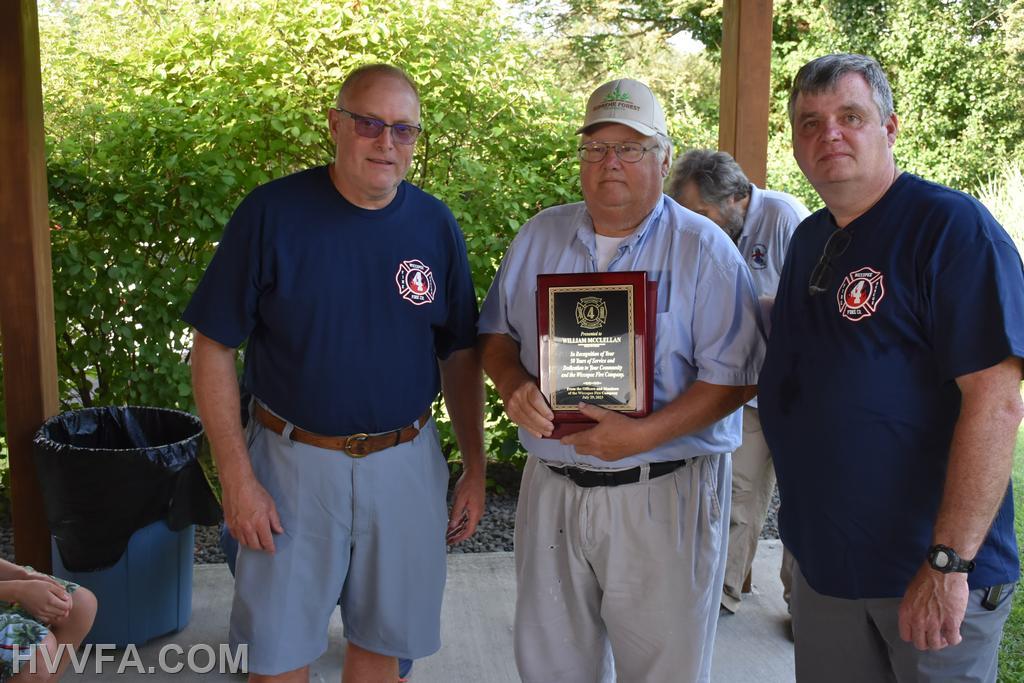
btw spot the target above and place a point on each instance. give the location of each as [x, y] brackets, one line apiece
[595, 333]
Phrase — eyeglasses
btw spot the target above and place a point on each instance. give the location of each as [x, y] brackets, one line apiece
[821, 276]
[368, 127]
[630, 152]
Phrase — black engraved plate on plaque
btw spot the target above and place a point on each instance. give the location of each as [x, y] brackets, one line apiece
[594, 331]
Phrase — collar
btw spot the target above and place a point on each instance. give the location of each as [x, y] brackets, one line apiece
[585, 232]
[753, 209]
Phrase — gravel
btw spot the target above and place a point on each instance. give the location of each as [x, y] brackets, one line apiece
[770, 530]
[7, 542]
[493, 534]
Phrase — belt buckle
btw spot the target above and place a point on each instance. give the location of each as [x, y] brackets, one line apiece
[356, 441]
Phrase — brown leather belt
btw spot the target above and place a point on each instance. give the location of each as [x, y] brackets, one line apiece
[356, 445]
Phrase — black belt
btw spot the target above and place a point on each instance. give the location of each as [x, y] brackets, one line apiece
[591, 478]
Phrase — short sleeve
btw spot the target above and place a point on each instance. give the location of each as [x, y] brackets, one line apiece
[225, 304]
[494, 317]
[976, 303]
[459, 330]
[728, 337]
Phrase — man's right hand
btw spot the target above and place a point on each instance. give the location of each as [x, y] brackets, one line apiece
[524, 403]
[249, 511]
[526, 407]
[251, 515]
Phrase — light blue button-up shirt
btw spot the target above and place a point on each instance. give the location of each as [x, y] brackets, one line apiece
[708, 327]
[771, 219]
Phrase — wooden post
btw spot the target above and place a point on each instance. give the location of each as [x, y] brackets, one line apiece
[26, 279]
[746, 85]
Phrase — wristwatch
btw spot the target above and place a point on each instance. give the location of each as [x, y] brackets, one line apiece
[944, 559]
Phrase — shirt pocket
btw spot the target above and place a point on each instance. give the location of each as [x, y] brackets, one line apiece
[669, 342]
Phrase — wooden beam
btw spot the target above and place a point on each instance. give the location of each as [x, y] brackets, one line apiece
[26, 280]
[746, 84]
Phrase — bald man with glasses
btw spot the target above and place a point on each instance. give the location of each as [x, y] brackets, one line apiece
[353, 290]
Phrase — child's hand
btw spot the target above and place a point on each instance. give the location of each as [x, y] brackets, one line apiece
[45, 577]
[14, 572]
[44, 599]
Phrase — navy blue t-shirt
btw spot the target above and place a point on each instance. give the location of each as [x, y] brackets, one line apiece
[858, 397]
[346, 309]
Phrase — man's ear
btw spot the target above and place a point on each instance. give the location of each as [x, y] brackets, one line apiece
[892, 128]
[333, 123]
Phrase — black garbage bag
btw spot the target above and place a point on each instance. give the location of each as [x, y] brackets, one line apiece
[107, 472]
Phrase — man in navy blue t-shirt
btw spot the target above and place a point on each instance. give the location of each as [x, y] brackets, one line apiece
[890, 399]
[352, 289]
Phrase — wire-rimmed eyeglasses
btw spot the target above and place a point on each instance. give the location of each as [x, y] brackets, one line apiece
[369, 127]
[629, 152]
[821, 276]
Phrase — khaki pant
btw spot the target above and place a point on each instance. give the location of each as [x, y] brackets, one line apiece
[620, 581]
[753, 481]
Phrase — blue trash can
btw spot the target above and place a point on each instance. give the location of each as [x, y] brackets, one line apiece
[122, 487]
[147, 594]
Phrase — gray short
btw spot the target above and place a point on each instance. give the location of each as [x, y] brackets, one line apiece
[858, 640]
[371, 530]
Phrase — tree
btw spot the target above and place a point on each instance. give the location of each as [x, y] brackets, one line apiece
[160, 117]
[954, 67]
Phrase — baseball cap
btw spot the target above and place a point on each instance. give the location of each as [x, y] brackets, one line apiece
[628, 102]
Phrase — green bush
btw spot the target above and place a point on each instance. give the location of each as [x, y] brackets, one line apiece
[954, 68]
[161, 117]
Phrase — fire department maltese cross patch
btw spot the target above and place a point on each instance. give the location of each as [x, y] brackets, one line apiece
[759, 257]
[415, 282]
[860, 293]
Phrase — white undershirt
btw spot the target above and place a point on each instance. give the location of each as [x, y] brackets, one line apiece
[606, 250]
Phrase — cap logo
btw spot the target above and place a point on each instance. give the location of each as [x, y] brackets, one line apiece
[617, 96]
[616, 99]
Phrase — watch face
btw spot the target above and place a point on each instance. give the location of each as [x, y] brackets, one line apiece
[941, 559]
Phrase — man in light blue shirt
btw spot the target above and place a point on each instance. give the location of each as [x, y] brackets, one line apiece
[761, 223]
[621, 528]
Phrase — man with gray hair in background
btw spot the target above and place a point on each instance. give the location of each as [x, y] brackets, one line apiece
[890, 399]
[760, 224]
[621, 528]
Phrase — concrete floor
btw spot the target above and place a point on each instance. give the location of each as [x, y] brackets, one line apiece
[752, 645]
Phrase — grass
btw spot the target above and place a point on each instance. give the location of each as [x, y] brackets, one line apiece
[1001, 195]
[1011, 651]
